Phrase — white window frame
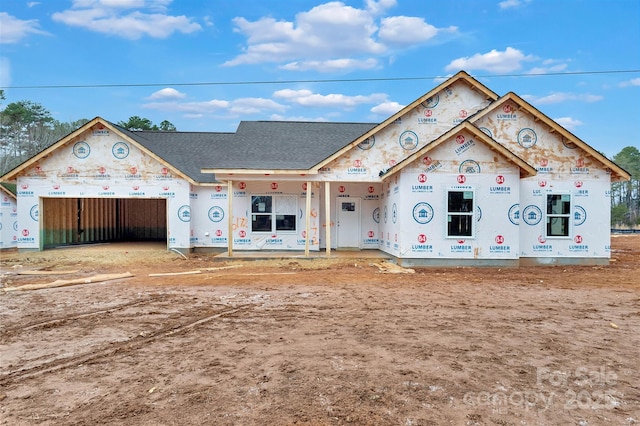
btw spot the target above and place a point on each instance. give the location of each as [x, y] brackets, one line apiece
[472, 214]
[568, 216]
[274, 214]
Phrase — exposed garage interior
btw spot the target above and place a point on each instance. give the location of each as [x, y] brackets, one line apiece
[70, 221]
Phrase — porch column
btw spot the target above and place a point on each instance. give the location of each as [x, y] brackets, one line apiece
[307, 232]
[327, 216]
[230, 218]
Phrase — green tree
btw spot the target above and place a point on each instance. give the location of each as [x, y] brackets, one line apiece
[625, 196]
[25, 130]
[139, 123]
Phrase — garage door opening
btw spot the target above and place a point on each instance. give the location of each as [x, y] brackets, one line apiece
[68, 221]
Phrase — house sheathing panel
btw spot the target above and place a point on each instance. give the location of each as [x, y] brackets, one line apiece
[395, 188]
[8, 219]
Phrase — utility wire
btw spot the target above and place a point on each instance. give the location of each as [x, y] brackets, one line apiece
[265, 82]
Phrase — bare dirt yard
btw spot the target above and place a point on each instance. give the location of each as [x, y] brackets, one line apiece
[315, 342]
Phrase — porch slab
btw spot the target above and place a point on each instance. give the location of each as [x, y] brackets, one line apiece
[335, 254]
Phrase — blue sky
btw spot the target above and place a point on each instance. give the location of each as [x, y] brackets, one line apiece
[155, 50]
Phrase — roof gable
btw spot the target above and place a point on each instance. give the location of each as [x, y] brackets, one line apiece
[506, 109]
[425, 101]
[526, 169]
[98, 124]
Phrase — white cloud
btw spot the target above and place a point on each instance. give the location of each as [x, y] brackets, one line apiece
[216, 106]
[12, 29]
[632, 82]
[5, 72]
[166, 93]
[113, 17]
[329, 31]
[387, 108]
[559, 97]
[405, 29]
[332, 65]
[377, 7]
[309, 99]
[33, 4]
[494, 61]
[568, 122]
[508, 4]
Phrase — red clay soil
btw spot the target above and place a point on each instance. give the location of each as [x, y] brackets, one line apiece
[315, 342]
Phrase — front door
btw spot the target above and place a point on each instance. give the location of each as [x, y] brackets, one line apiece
[348, 223]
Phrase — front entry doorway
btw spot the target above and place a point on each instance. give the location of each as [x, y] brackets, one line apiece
[348, 223]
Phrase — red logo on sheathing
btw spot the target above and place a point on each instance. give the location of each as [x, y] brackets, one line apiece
[218, 232]
[428, 113]
[578, 239]
[542, 183]
[371, 190]
[460, 139]
[106, 187]
[427, 161]
[242, 185]
[70, 169]
[218, 188]
[357, 163]
[422, 238]
[462, 113]
[461, 179]
[133, 170]
[422, 178]
[102, 170]
[580, 162]
[342, 188]
[165, 188]
[56, 187]
[164, 171]
[25, 232]
[274, 185]
[578, 183]
[24, 186]
[370, 234]
[507, 108]
[460, 241]
[392, 162]
[242, 233]
[544, 162]
[136, 187]
[304, 186]
[499, 239]
[541, 239]
[499, 179]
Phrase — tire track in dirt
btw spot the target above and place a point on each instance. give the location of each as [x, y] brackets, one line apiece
[61, 320]
[114, 348]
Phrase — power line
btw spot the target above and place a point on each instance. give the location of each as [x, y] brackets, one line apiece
[265, 82]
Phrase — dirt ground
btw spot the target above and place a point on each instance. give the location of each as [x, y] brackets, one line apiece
[315, 342]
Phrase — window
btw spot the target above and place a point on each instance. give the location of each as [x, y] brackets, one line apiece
[460, 214]
[558, 215]
[273, 213]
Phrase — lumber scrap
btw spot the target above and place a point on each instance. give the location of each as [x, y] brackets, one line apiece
[36, 272]
[219, 268]
[169, 274]
[64, 283]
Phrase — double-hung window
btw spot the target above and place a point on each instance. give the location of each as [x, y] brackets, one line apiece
[558, 215]
[272, 213]
[460, 214]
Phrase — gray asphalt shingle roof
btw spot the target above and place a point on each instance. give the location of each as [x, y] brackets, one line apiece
[286, 145]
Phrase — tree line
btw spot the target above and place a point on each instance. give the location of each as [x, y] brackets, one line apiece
[27, 127]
